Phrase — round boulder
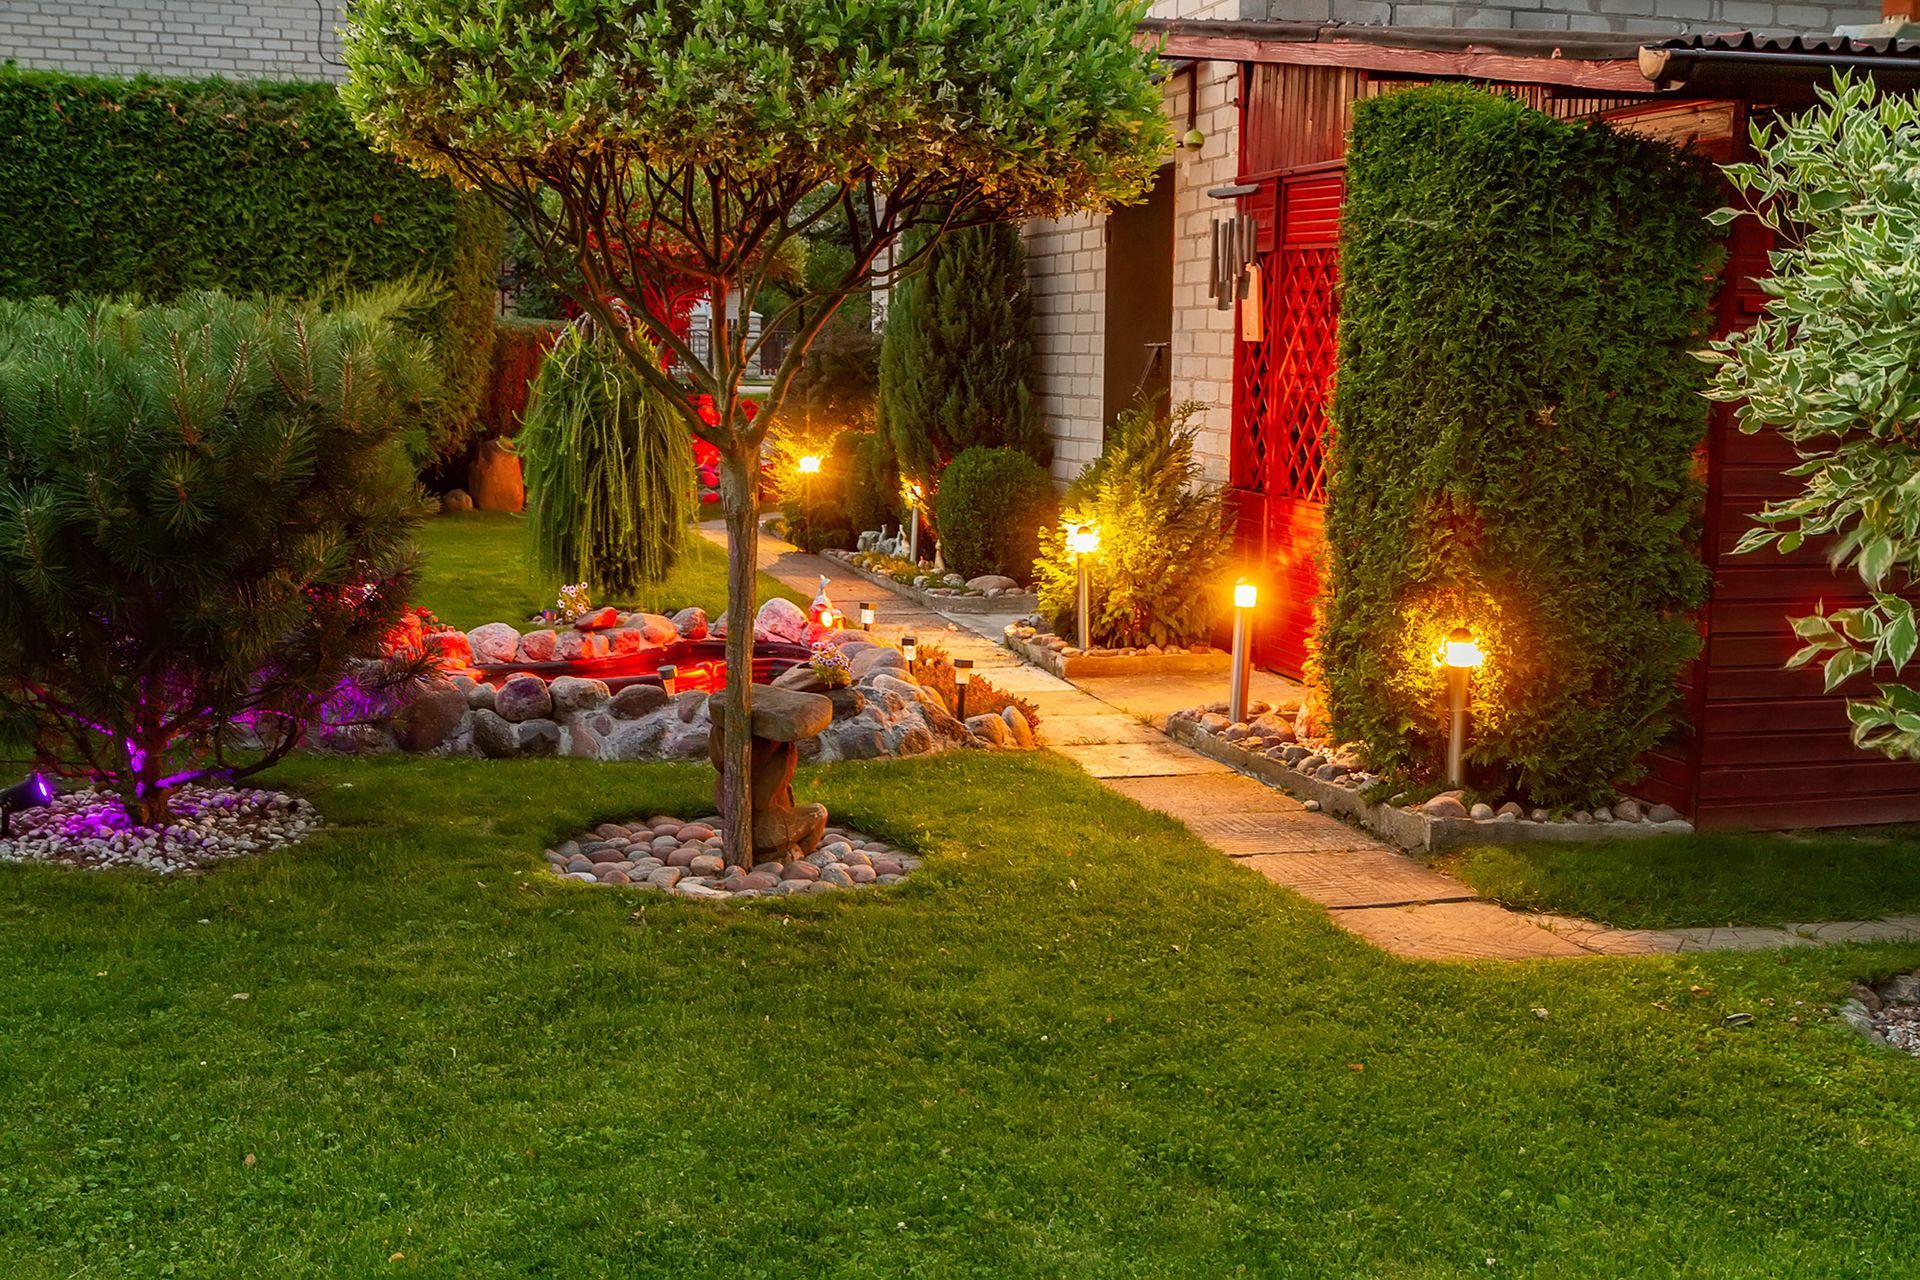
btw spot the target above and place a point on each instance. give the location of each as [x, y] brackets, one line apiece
[637, 700]
[691, 623]
[538, 646]
[571, 694]
[430, 719]
[781, 619]
[523, 697]
[494, 642]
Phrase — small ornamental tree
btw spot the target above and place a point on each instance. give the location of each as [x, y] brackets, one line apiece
[635, 143]
[205, 518]
[953, 365]
[1834, 366]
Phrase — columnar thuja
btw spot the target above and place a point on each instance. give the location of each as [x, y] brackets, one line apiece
[707, 138]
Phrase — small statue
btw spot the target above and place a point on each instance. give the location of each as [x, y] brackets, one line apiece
[822, 610]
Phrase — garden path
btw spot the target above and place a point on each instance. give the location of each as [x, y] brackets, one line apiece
[1110, 728]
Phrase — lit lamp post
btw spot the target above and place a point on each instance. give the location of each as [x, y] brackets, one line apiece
[962, 673]
[1245, 596]
[1460, 656]
[1082, 541]
[809, 467]
[909, 649]
[912, 491]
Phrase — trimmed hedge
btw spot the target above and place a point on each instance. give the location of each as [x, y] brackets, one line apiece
[160, 187]
[990, 510]
[1516, 415]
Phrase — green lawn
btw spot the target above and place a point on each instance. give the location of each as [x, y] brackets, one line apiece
[1713, 879]
[474, 569]
[1078, 1043]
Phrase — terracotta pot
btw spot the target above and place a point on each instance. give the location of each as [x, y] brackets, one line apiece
[494, 479]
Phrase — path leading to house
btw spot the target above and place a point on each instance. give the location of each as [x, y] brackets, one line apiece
[1111, 728]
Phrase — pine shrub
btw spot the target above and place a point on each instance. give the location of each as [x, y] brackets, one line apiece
[990, 509]
[873, 481]
[609, 471]
[204, 520]
[1516, 417]
[1164, 541]
[954, 359]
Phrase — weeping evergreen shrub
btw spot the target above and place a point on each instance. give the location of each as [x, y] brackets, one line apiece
[1516, 414]
[609, 471]
[205, 520]
[1164, 539]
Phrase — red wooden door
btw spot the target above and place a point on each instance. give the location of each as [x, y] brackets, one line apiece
[1279, 474]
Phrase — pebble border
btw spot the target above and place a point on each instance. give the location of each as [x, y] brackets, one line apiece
[683, 857]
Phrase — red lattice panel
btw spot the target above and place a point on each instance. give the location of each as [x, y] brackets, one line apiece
[1253, 397]
[1302, 348]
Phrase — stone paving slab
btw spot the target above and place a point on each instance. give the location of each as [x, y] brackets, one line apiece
[1021, 679]
[1456, 931]
[1137, 759]
[1738, 939]
[1191, 797]
[1892, 929]
[1357, 878]
[1072, 730]
[1242, 835]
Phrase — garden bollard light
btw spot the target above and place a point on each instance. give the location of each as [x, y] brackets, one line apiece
[1461, 656]
[962, 674]
[31, 792]
[1245, 596]
[909, 649]
[1083, 540]
[669, 676]
[866, 616]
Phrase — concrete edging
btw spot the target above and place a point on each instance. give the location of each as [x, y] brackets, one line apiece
[1087, 666]
[1405, 827]
[1012, 602]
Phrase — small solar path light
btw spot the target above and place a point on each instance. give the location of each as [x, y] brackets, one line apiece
[909, 649]
[1460, 656]
[1083, 540]
[866, 616]
[669, 677]
[962, 675]
[1245, 596]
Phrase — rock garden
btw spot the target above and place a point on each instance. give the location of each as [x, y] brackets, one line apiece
[685, 858]
[1887, 1012]
[91, 829]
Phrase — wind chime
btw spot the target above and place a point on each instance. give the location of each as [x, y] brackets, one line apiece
[1234, 277]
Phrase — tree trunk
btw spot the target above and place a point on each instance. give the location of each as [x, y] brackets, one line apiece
[740, 499]
[149, 801]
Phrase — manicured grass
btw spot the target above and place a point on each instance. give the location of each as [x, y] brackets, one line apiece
[474, 569]
[1078, 1043]
[1709, 879]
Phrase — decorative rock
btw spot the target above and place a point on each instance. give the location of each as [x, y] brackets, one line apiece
[495, 642]
[1018, 730]
[1510, 810]
[480, 696]
[707, 864]
[598, 619]
[1538, 815]
[992, 582]
[571, 694]
[1311, 806]
[1627, 811]
[656, 630]
[803, 678]
[539, 646]
[1663, 813]
[1214, 722]
[691, 623]
[454, 501]
[494, 737]
[990, 729]
[538, 738]
[781, 715]
[1446, 805]
[523, 697]
[430, 719]
[1480, 812]
[873, 660]
[637, 700]
[781, 619]
[847, 703]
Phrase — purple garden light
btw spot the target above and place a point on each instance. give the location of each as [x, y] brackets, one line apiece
[31, 792]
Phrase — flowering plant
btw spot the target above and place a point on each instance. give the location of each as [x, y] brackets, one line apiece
[833, 667]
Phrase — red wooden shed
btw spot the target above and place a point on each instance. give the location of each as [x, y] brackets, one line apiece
[1763, 746]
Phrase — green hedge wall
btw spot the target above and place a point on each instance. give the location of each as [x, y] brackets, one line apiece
[158, 187]
[1516, 413]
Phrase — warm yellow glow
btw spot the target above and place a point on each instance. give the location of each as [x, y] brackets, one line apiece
[962, 671]
[866, 615]
[1245, 594]
[809, 464]
[909, 647]
[912, 492]
[1461, 649]
[1083, 539]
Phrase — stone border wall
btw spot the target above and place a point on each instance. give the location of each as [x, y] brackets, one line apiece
[1012, 602]
[1076, 665]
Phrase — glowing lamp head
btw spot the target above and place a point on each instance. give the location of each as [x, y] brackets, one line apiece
[962, 671]
[909, 647]
[912, 493]
[1083, 539]
[669, 677]
[809, 464]
[866, 614]
[1245, 594]
[1461, 649]
[31, 792]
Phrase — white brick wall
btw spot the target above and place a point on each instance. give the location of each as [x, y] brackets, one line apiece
[274, 39]
[1066, 261]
